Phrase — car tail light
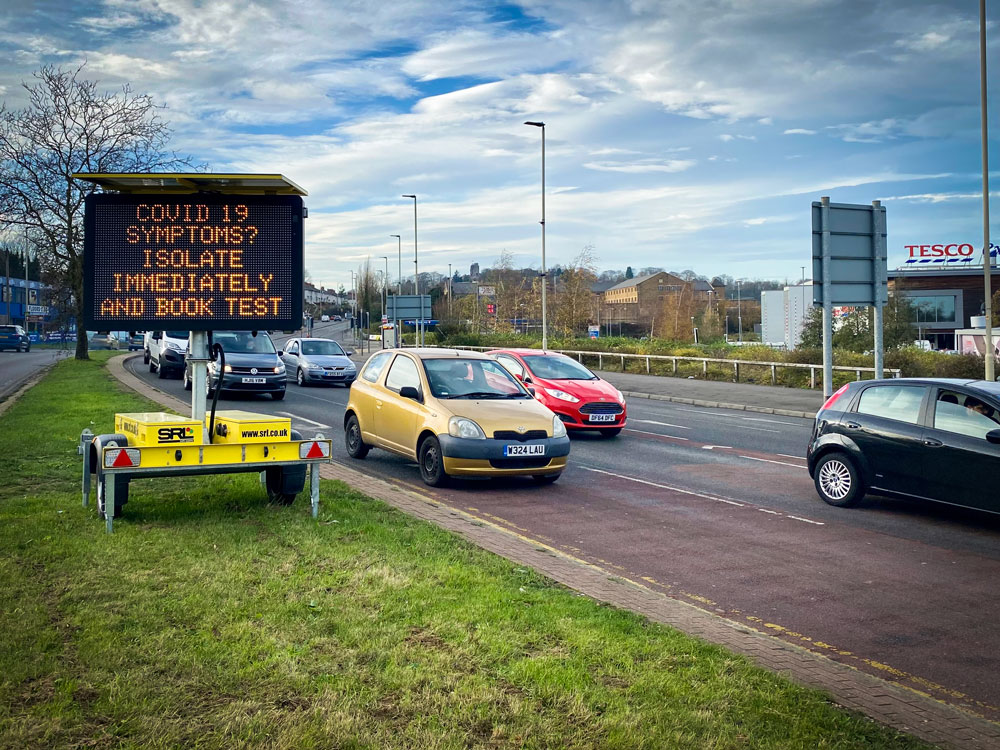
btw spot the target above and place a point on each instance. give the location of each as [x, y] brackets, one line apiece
[833, 399]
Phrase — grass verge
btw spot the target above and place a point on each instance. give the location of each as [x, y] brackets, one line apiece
[213, 620]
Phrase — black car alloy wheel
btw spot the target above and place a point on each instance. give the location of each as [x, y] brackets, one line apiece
[838, 481]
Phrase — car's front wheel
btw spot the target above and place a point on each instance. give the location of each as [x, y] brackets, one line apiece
[356, 447]
[161, 371]
[300, 378]
[431, 462]
[838, 480]
[145, 356]
[277, 395]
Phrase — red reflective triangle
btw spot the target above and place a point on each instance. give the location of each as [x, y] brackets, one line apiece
[315, 451]
[121, 460]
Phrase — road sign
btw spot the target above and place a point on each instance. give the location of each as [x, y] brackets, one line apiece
[487, 291]
[594, 332]
[409, 306]
[849, 268]
[857, 257]
[192, 262]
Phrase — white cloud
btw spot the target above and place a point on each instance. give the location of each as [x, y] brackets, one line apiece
[674, 165]
[799, 131]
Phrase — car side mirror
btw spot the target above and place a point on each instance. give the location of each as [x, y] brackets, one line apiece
[408, 391]
[281, 353]
[349, 352]
[532, 392]
[993, 436]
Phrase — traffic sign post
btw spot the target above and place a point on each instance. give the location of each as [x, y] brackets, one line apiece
[849, 268]
[416, 306]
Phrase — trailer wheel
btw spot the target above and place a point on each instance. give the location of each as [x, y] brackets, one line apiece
[274, 482]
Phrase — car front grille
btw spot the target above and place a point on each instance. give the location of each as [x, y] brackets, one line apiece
[520, 436]
[246, 370]
[601, 407]
[535, 462]
[335, 369]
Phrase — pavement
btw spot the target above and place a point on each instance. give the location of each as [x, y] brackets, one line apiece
[883, 701]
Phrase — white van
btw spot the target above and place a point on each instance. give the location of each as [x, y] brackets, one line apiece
[163, 351]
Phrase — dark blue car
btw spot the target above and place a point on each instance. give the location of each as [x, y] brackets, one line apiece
[14, 337]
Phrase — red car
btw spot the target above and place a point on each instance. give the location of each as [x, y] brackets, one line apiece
[581, 399]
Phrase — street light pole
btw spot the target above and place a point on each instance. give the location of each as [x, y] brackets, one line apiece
[545, 328]
[988, 300]
[739, 312]
[385, 286]
[416, 270]
[449, 291]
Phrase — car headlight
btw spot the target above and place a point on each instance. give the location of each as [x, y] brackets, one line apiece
[351, 366]
[561, 395]
[621, 396]
[465, 428]
[314, 366]
[172, 346]
[279, 369]
[558, 428]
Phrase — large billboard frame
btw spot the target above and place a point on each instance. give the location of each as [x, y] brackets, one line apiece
[295, 264]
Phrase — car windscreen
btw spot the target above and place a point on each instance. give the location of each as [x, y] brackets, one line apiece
[244, 342]
[471, 378]
[321, 347]
[557, 368]
[176, 334]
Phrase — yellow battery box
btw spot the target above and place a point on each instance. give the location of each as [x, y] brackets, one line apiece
[157, 428]
[234, 426]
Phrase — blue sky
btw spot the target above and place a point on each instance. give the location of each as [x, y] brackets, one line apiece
[687, 134]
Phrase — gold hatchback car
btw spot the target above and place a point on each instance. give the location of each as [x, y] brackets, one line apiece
[456, 413]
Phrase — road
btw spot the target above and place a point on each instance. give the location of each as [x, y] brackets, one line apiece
[17, 367]
[715, 508]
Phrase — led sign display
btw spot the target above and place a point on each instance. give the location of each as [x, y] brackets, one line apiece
[193, 262]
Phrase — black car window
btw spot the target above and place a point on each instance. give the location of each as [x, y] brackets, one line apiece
[374, 367]
[322, 347]
[899, 402]
[402, 373]
[964, 415]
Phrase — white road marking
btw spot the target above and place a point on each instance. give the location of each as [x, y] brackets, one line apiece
[656, 434]
[772, 512]
[773, 421]
[788, 455]
[662, 424]
[303, 419]
[806, 520]
[769, 461]
[712, 447]
[664, 486]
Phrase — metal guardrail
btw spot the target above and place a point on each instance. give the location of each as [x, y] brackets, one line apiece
[736, 364]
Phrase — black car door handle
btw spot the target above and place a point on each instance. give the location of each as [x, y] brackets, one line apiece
[853, 426]
[931, 442]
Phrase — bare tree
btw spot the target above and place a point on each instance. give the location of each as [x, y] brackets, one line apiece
[369, 290]
[70, 126]
[573, 311]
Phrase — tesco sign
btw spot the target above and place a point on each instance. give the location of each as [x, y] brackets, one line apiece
[953, 250]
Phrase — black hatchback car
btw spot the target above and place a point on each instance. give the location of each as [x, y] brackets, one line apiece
[933, 439]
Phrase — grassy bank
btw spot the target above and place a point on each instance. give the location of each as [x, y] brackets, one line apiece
[911, 362]
[212, 619]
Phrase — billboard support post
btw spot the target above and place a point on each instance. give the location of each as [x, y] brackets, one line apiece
[879, 259]
[198, 341]
[827, 298]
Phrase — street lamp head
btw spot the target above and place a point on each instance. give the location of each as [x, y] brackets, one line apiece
[395, 235]
[536, 124]
[410, 196]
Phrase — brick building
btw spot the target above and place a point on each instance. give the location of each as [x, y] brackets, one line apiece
[638, 300]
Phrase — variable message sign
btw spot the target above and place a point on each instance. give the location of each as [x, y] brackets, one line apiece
[192, 262]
